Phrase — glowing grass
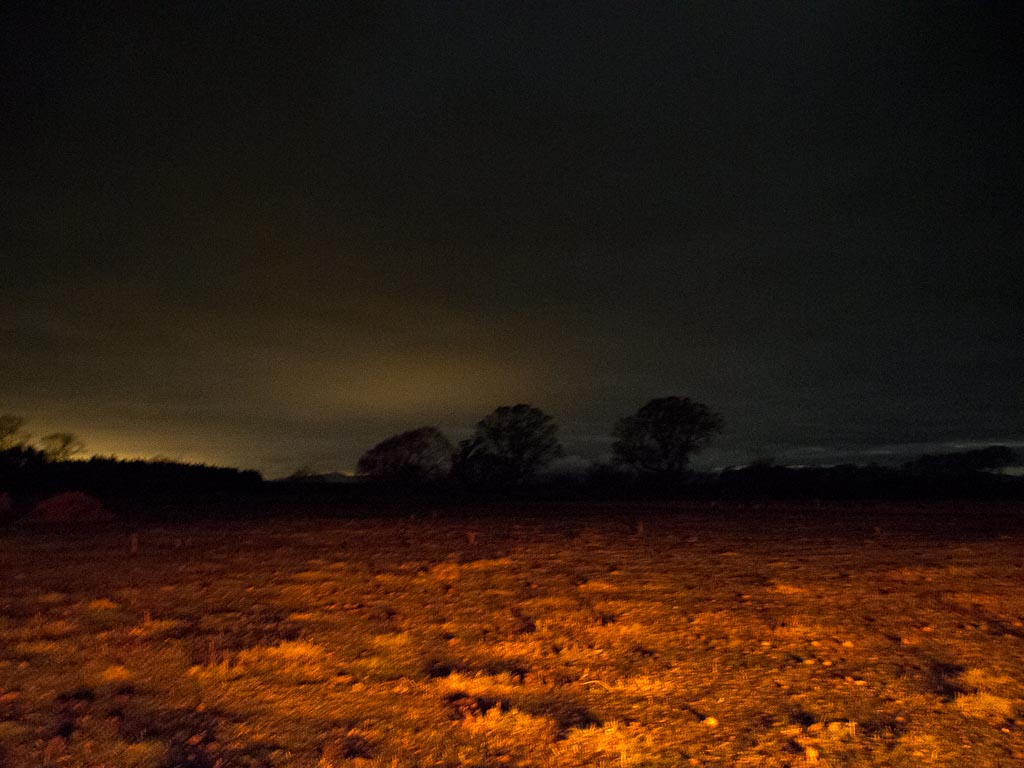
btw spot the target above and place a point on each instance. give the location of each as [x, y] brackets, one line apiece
[393, 645]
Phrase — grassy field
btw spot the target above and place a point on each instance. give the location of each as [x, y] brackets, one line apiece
[629, 636]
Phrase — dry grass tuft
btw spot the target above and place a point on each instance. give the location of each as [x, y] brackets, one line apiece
[985, 705]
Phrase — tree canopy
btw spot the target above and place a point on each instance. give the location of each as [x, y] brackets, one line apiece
[509, 446]
[959, 462]
[419, 455]
[663, 434]
[58, 446]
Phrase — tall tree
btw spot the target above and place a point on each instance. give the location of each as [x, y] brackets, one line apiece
[664, 433]
[419, 455]
[509, 446]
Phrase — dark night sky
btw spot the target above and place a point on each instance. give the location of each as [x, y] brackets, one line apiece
[272, 234]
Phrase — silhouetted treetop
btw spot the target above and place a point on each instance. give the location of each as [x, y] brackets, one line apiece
[978, 459]
[57, 446]
[509, 446]
[61, 446]
[664, 433]
[418, 455]
[10, 430]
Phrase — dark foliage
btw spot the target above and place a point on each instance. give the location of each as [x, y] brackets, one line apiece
[61, 446]
[854, 482]
[509, 447]
[418, 456]
[25, 470]
[992, 457]
[23, 467]
[10, 431]
[663, 434]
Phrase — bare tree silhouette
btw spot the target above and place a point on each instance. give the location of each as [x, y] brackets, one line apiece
[61, 446]
[10, 431]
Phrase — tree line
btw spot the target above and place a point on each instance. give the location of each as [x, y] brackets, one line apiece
[37, 466]
[509, 450]
[56, 446]
[513, 444]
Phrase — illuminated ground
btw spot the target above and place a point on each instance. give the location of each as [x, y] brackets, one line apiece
[636, 638]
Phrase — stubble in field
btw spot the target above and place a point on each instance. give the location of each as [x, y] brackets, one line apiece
[694, 639]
